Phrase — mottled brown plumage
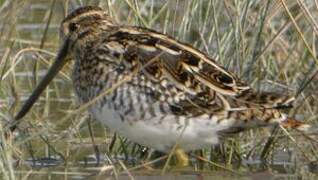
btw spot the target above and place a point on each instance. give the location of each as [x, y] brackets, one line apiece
[174, 92]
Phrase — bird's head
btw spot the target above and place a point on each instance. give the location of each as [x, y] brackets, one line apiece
[80, 27]
[85, 24]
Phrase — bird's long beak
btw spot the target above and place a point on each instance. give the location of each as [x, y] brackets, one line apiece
[60, 61]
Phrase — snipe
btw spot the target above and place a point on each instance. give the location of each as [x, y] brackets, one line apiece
[159, 91]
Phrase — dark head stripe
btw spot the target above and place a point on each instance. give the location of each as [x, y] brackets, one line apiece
[82, 10]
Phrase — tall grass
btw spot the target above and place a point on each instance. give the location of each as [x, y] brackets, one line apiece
[269, 44]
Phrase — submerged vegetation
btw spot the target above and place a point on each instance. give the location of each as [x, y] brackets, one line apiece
[269, 44]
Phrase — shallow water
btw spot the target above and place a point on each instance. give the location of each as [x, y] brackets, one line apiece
[65, 149]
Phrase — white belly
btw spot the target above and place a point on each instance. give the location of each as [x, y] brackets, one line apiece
[163, 134]
[161, 131]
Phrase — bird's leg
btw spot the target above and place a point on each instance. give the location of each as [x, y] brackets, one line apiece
[182, 158]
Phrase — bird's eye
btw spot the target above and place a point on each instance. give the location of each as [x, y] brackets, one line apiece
[73, 27]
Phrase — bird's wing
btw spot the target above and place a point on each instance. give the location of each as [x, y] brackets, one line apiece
[191, 78]
[187, 66]
[188, 81]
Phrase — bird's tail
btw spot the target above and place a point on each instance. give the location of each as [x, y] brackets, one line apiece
[285, 102]
[281, 102]
[272, 106]
[291, 123]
